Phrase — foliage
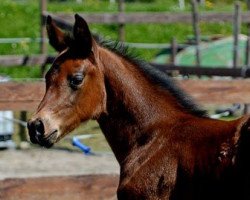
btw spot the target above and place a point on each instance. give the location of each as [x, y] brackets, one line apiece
[148, 1]
[20, 18]
[17, 72]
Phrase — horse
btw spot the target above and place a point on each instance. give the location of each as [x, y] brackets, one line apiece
[166, 145]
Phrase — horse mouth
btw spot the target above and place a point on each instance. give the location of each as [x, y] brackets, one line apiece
[46, 141]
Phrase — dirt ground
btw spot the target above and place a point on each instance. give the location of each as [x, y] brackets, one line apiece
[38, 174]
[39, 162]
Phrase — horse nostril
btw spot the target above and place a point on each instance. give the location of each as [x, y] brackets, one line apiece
[39, 127]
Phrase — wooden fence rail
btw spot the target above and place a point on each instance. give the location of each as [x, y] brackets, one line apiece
[243, 72]
[26, 96]
[158, 17]
[60, 187]
[22, 60]
[31, 60]
[21, 96]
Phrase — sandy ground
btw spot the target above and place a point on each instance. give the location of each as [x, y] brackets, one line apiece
[51, 162]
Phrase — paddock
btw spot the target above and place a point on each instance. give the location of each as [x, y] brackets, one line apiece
[57, 174]
[93, 177]
[27, 95]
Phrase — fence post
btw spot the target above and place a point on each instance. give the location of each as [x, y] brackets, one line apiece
[22, 129]
[236, 32]
[43, 46]
[248, 39]
[202, 2]
[43, 32]
[121, 26]
[173, 50]
[248, 5]
[247, 54]
[196, 29]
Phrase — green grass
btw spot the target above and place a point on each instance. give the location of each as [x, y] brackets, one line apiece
[20, 18]
[17, 72]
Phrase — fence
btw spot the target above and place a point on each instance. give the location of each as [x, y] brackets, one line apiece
[26, 96]
[17, 96]
[121, 19]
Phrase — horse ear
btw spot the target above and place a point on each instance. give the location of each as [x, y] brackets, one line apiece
[57, 38]
[82, 35]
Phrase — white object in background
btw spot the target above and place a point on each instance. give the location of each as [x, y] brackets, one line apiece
[6, 126]
[182, 4]
[6, 129]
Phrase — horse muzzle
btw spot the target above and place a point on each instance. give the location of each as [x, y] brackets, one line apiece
[38, 136]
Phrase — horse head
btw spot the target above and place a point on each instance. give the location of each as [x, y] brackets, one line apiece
[75, 90]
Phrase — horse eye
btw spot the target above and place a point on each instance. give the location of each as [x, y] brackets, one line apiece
[56, 66]
[75, 81]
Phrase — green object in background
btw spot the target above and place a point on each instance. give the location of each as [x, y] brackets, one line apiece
[213, 54]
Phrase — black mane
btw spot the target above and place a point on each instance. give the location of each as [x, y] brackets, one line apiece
[156, 77]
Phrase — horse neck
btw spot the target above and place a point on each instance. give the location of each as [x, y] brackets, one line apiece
[135, 108]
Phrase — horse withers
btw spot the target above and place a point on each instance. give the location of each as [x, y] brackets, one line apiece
[167, 147]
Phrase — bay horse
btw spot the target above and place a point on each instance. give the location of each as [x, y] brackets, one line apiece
[167, 147]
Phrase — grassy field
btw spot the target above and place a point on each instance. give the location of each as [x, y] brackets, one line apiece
[20, 19]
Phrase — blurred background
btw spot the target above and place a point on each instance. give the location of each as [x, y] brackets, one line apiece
[205, 42]
[21, 32]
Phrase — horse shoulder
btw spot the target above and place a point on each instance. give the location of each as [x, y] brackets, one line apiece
[154, 179]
